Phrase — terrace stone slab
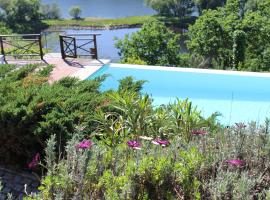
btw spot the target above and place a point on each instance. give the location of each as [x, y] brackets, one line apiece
[80, 68]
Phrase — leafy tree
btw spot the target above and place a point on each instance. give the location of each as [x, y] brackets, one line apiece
[4, 29]
[75, 12]
[208, 4]
[154, 44]
[19, 14]
[50, 11]
[174, 8]
[226, 37]
[262, 6]
[207, 38]
[239, 46]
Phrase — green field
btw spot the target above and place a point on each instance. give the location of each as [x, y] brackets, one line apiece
[99, 22]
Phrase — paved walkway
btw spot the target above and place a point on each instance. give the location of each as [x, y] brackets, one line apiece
[16, 183]
[80, 68]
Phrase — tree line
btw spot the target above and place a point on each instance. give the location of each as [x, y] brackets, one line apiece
[25, 16]
[182, 8]
[234, 36]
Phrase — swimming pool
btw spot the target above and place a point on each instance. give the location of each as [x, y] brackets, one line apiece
[239, 96]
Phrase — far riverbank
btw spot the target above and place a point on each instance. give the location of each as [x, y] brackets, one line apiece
[99, 23]
[90, 23]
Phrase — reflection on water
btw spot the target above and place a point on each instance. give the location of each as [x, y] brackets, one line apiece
[105, 41]
[104, 8]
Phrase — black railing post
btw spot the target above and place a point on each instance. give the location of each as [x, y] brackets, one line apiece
[95, 46]
[75, 47]
[2, 47]
[62, 47]
[40, 47]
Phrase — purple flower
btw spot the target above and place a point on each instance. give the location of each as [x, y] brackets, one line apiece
[34, 163]
[134, 144]
[240, 125]
[160, 142]
[85, 144]
[236, 162]
[199, 132]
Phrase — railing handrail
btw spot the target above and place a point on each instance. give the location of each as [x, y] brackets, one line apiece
[20, 35]
[87, 34]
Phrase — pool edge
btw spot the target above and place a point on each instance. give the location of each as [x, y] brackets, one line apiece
[195, 70]
[90, 69]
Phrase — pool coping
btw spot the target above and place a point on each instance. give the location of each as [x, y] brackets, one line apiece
[90, 69]
[96, 65]
[195, 70]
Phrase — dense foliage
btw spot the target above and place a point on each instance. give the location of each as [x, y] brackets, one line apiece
[119, 146]
[50, 11]
[31, 110]
[154, 44]
[184, 8]
[173, 8]
[232, 37]
[235, 36]
[137, 151]
[24, 16]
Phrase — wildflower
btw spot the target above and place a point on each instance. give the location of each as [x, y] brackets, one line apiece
[85, 144]
[160, 142]
[34, 163]
[236, 162]
[240, 125]
[199, 132]
[134, 144]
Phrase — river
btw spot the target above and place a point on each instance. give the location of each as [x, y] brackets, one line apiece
[104, 8]
[105, 41]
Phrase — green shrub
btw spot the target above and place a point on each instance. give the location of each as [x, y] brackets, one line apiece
[31, 110]
[153, 172]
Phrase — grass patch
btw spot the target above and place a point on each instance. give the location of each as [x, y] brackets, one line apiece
[100, 22]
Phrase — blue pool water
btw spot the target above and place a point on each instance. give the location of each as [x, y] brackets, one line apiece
[239, 98]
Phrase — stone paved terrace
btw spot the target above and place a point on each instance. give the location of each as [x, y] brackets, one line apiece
[80, 68]
[17, 182]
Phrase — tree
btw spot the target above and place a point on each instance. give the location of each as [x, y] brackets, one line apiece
[208, 4]
[154, 44]
[50, 11]
[228, 38]
[75, 12]
[262, 6]
[22, 16]
[207, 38]
[4, 29]
[173, 8]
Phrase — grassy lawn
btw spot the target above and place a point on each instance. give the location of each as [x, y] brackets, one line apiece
[134, 20]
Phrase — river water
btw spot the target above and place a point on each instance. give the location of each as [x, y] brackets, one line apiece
[103, 8]
[105, 41]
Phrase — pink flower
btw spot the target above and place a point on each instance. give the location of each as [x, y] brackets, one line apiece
[85, 144]
[199, 132]
[134, 144]
[160, 142]
[34, 163]
[240, 125]
[236, 162]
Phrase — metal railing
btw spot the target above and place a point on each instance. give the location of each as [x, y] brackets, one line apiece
[79, 45]
[21, 45]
